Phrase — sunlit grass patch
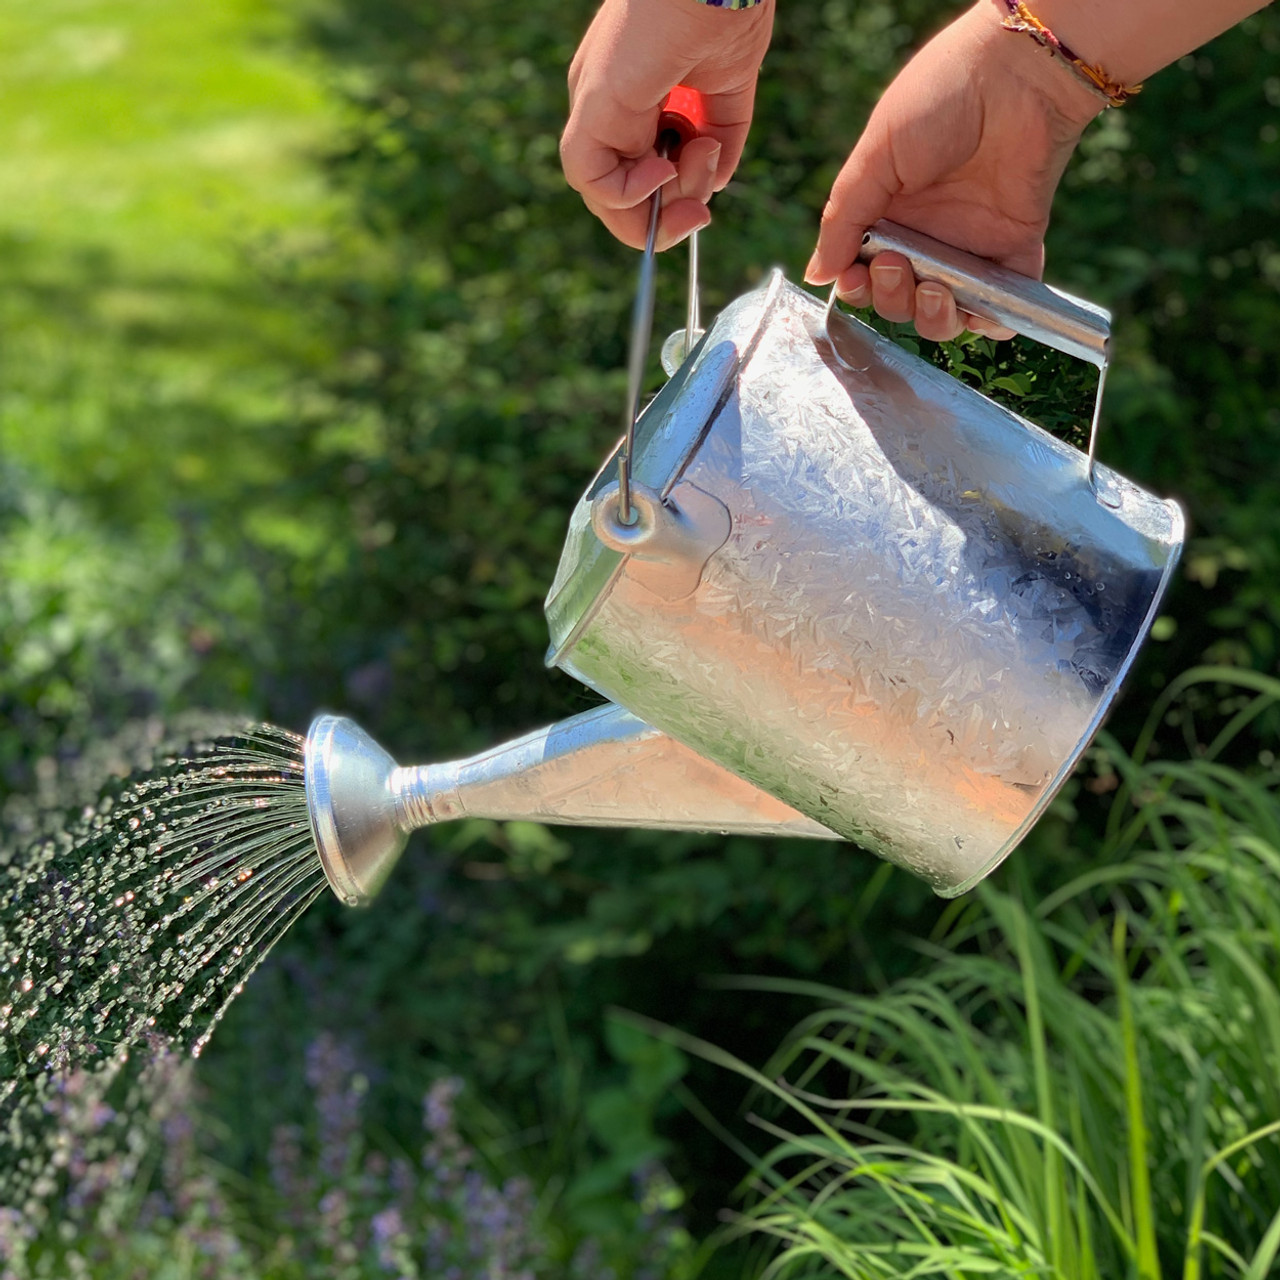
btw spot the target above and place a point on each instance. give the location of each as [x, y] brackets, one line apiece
[153, 127]
[154, 162]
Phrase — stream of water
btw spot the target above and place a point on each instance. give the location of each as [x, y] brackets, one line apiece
[125, 936]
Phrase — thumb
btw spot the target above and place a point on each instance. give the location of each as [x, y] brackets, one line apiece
[862, 193]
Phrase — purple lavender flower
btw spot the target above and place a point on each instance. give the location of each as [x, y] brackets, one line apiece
[436, 1244]
[334, 1225]
[331, 1072]
[392, 1244]
[438, 1105]
[446, 1158]
[589, 1264]
[295, 1189]
[16, 1232]
[403, 1181]
[387, 1226]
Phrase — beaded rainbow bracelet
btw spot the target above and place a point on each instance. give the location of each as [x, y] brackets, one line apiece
[730, 4]
[1019, 18]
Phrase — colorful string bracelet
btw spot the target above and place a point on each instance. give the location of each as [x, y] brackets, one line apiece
[730, 4]
[1019, 18]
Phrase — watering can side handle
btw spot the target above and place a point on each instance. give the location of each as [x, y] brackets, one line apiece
[1029, 306]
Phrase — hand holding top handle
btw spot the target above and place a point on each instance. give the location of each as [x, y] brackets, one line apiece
[970, 140]
[967, 145]
[634, 53]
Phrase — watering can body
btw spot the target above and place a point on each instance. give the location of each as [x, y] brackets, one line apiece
[845, 596]
[861, 586]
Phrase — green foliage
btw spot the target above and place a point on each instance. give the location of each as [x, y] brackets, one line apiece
[269, 449]
[621, 1117]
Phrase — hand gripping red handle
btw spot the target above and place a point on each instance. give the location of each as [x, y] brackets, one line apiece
[683, 118]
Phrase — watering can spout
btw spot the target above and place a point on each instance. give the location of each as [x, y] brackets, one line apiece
[352, 809]
[603, 768]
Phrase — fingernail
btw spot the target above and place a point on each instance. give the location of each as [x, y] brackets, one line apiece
[713, 162]
[887, 277]
[811, 271]
[859, 297]
[930, 302]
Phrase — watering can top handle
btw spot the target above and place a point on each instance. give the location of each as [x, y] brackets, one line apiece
[1028, 306]
[683, 117]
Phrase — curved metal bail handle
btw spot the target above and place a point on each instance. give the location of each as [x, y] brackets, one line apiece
[683, 118]
[832, 299]
[684, 115]
[637, 355]
[1018, 302]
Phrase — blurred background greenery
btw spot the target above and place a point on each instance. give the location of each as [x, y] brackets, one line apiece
[305, 353]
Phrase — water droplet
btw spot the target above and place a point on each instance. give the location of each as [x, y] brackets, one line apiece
[88, 924]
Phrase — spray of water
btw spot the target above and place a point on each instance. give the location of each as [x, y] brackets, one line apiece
[124, 937]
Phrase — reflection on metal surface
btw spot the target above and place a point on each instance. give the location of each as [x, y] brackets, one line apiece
[923, 609]
[603, 768]
[1028, 306]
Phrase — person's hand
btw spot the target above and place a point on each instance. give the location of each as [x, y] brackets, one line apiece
[634, 53]
[966, 145]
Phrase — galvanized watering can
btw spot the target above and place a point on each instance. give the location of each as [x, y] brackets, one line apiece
[856, 599]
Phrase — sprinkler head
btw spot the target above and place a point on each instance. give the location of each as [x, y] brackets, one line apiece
[351, 802]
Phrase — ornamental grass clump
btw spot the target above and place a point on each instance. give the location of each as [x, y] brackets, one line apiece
[1084, 1086]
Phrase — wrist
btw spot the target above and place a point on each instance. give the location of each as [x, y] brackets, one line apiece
[725, 16]
[703, 36]
[1070, 102]
[699, 21]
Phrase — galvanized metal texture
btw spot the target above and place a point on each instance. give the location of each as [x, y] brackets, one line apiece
[923, 610]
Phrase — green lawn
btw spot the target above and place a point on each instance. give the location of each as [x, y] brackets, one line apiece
[151, 157]
[144, 149]
[156, 132]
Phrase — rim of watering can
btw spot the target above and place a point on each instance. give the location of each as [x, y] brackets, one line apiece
[320, 810]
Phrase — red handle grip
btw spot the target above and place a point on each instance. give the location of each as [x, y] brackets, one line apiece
[683, 118]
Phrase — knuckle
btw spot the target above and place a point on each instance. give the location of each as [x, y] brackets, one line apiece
[568, 153]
